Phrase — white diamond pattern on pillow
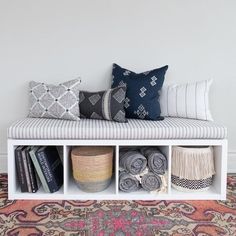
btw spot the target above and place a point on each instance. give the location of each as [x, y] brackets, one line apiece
[153, 80]
[55, 101]
[94, 99]
[186, 100]
[126, 102]
[119, 95]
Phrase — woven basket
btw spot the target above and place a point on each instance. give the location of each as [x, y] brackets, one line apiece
[92, 167]
[192, 168]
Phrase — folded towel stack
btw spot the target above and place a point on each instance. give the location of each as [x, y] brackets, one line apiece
[157, 162]
[128, 183]
[151, 182]
[142, 167]
[132, 161]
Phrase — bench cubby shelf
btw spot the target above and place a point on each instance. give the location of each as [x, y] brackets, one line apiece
[69, 190]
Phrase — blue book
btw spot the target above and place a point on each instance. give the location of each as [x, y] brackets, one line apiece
[51, 167]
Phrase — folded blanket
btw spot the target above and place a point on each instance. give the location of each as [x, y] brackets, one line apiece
[127, 182]
[132, 161]
[151, 182]
[157, 162]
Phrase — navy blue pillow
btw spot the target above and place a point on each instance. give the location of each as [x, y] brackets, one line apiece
[142, 94]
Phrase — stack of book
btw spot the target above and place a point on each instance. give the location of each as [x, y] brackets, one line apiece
[36, 165]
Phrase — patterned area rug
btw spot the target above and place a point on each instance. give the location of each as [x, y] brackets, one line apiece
[118, 218]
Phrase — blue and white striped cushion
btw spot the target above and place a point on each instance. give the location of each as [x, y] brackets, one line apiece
[170, 128]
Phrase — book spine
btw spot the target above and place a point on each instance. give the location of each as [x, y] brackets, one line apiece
[47, 171]
[32, 176]
[26, 171]
[39, 171]
[20, 171]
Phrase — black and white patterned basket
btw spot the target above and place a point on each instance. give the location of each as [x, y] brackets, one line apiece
[192, 168]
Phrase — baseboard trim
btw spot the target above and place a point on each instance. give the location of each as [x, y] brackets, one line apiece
[231, 162]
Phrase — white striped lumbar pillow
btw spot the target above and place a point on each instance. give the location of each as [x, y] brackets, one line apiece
[186, 100]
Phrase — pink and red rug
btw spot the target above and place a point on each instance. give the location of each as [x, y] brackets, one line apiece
[118, 218]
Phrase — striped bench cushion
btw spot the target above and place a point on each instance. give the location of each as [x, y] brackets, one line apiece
[169, 128]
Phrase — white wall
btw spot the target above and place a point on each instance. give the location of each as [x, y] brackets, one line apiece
[57, 40]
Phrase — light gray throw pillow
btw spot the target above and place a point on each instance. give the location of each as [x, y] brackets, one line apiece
[190, 100]
[55, 101]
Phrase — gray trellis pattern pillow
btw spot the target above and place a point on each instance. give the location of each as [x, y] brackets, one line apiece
[54, 101]
[105, 105]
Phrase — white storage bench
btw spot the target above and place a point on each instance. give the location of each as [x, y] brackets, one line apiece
[163, 134]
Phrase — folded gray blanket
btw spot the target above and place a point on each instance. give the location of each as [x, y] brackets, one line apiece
[157, 162]
[151, 182]
[127, 182]
[132, 161]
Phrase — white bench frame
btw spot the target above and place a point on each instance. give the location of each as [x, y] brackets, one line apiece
[69, 189]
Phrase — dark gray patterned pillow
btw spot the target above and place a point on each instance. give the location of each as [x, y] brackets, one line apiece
[54, 101]
[106, 105]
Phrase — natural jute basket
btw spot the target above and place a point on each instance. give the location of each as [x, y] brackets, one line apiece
[92, 167]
